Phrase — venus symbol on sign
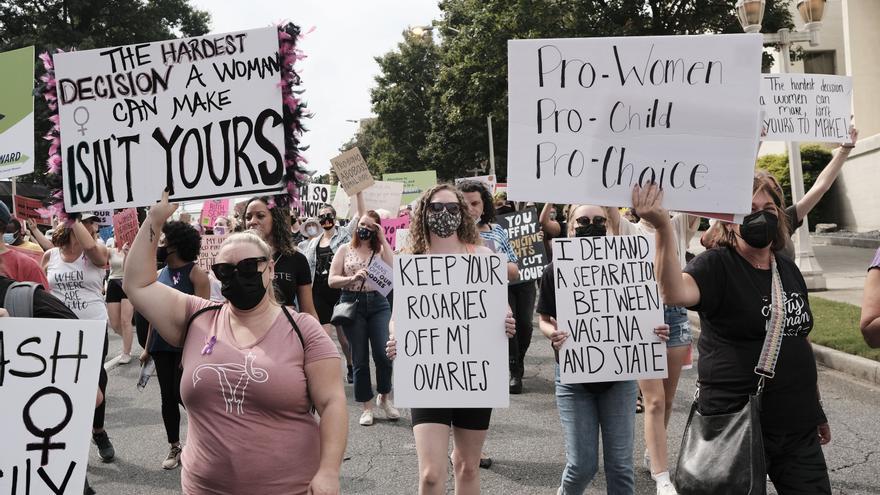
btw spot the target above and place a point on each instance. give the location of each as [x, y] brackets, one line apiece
[82, 125]
[46, 434]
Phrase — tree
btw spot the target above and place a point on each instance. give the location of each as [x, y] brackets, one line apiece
[814, 158]
[86, 24]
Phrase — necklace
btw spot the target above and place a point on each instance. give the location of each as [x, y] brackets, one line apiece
[758, 265]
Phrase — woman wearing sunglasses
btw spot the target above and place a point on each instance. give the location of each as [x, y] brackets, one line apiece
[442, 225]
[252, 371]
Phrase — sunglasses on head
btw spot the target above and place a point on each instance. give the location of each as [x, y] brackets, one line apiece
[247, 266]
[437, 207]
[584, 221]
[327, 217]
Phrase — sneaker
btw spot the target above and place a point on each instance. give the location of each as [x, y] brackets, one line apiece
[366, 418]
[124, 358]
[485, 460]
[665, 487]
[173, 459]
[350, 376]
[105, 448]
[388, 408]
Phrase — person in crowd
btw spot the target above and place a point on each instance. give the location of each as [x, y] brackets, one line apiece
[15, 236]
[369, 330]
[292, 275]
[309, 229]
[320, 252]
[282, 364]
[178, 249]
[75, 270]
[585, 409]
[17, 265]
[442, 225]
[221, 226]
[42, 240]
[118, 307]
[296, 234]
[731, 288]
[869, 322]
[552, 220]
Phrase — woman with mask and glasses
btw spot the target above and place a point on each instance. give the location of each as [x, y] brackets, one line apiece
[442, 225]
[586, 409]
[741, 289]
[252, 372]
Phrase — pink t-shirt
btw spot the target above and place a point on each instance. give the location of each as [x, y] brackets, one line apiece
[250, 429]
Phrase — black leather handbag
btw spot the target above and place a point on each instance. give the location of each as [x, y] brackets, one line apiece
[344, 311]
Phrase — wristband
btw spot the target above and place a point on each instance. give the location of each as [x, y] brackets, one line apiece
[848, 146]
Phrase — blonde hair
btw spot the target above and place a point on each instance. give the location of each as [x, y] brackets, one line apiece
[570, 220]
[418, 230]
[248, 237]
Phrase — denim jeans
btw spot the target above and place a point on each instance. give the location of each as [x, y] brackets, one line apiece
[679, 327]
[583, 415]
[369, 331]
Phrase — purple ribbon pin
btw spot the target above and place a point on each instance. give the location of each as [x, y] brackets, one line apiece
[209, 345]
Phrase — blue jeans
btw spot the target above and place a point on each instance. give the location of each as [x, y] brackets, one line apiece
[583, 414]
[369, 331]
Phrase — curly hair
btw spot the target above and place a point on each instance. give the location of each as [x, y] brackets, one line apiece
[470, 186]
[279, 235]
[418, 229]
[183, 237]
[375, 242]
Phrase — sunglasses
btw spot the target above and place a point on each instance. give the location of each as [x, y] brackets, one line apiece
[584, 221]
[248, 266]
[327, 217]
[438, 207]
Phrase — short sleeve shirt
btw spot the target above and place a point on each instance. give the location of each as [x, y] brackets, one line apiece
[291, 272]
[23, 268]
[875, 263]
[498, 236]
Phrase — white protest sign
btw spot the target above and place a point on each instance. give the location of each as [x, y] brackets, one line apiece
[341, 203]
[608, 301]
[105, 217]
[448, 317]
[48, 382]
[381, 196]
[380, 276]
[806, 107]
[591, 117]
[209, 251]
[402, 241]
[17, 113]
[201, 116]
[313, 197]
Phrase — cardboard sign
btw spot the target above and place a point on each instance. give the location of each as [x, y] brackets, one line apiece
[414, 183]
[807, 107]
[48, 382]
[211, 210]
[201, 116]
[391, 225]
[17, 113]
[380, 276]
[210, 250]
[125, 227]
[449, 325]
[312, 198]
[592, 117]
[488, 180]
[527, 241]
[352, 171]
[26, 208]
[608, 301]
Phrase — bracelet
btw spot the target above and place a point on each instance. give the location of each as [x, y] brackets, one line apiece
[847, 146]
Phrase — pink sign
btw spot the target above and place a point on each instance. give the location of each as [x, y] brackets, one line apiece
[390, 226]
[125, 226]
[211, 209]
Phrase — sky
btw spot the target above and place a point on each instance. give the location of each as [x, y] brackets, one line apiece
[339, 71]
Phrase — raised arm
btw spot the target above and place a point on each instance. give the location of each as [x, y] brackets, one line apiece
[870, 320]
[826, 177]
[550, 227]
[38, 236]
[96, 253]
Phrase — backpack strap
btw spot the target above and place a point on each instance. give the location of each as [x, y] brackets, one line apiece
[193, 317]
[295, 327]
[19, 300]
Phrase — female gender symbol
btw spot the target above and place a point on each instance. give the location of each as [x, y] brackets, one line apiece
[82, 129]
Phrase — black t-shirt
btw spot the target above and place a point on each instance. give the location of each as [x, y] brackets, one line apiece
[547, 306]
[45, 305]
[291, 271]
[734, 308]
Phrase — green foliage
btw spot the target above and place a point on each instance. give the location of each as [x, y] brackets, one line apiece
[837, 326]
[814, 158]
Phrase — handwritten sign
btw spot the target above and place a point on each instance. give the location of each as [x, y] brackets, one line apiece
[449, 323]
[26, 208]
[352, 171]
[211, 210]
[380, 196]
[592, 117]
[807, 107]
[527, 241]
[380, 276]
[201, 116]
[105, 217]
[391, 226]
[125, 226]
[48, 381]
[312, 198]
[414, 183]
[608, 301]
[17, 113]
[210, 249]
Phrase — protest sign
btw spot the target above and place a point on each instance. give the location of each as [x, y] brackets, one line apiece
[401, 240]
[17, 113]
[488, 180]
[527, 241]
[380, 276]
[608, 301]
[352, 171]
[312, 198]
[806, 107]
[391, 225]
[449, 323]
[210, 250]
[26, 208]
[380, 196]
[125, 226]
[48, 382]
[201, 116]
[589, 118]
[341, 203]
[105, 217]
[211, 210]
[414, 183]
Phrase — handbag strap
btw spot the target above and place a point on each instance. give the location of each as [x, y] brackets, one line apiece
[364, 281]
[773, 338]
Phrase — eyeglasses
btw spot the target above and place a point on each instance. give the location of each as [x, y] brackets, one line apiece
[438, 207]
[247, 266]
[584, 221]
[327, 217]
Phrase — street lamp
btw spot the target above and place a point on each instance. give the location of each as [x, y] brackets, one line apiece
[751, 13]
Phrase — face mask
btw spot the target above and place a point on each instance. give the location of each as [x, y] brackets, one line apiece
[328, 226]
[365, 234]
[162, 254]
[8, 238]
[244, 291]
[591, 230]
[312, 231]
[759, 229]
[219, 230]
[443, 224]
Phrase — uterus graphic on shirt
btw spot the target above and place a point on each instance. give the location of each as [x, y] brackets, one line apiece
[798, 319]
[234, 379]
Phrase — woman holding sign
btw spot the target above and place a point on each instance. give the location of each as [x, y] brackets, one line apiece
[744, 292]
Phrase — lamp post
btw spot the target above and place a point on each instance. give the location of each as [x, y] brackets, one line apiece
[751, 13]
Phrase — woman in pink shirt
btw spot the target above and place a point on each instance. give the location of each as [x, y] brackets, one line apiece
[252, 371]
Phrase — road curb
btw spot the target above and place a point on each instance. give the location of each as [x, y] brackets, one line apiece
[856, 366]
[841, 240]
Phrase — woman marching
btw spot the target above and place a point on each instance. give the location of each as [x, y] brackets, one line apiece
[281, 362]
[442, 225]
[118, 306]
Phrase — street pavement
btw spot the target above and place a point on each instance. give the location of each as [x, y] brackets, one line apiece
[525, 440]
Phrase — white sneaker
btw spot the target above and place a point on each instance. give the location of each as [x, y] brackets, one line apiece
[124, 358]
[388, 408]
[366, 418]
[173, 459]
[665, 487]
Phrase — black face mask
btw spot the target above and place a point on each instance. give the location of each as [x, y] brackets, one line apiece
[244, 291]
[365, 234]
[162, 254]
[759, 229]
[591, 230]
[503, 210]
